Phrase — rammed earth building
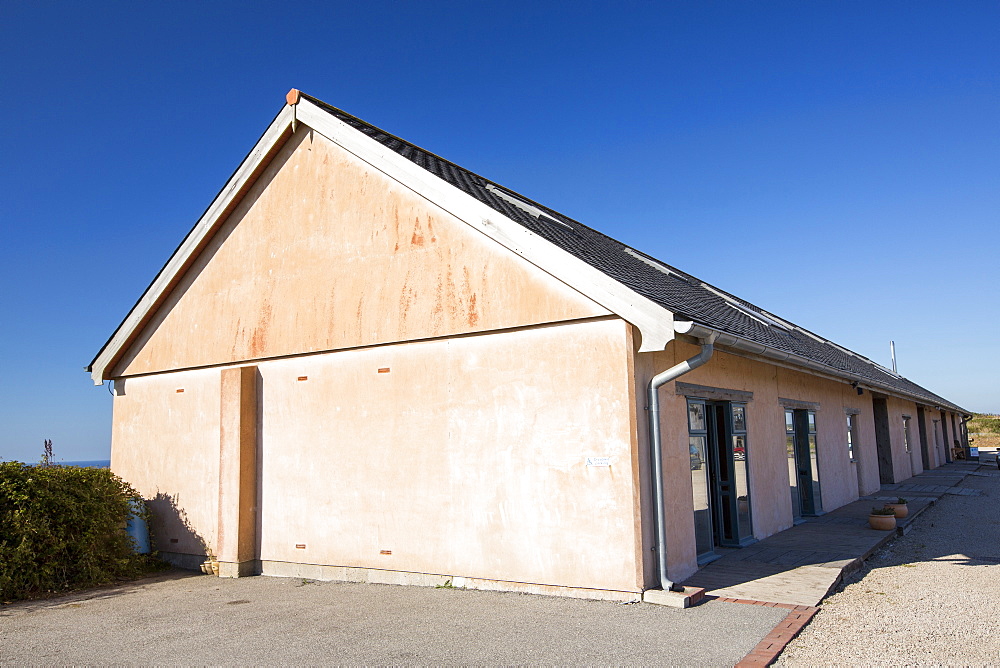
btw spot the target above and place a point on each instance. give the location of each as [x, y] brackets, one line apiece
[365, 362]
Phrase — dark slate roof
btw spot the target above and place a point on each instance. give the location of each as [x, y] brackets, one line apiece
[686, 296]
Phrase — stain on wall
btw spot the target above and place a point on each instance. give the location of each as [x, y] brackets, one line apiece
[324, 253]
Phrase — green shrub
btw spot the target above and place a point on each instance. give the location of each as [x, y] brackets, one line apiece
[62, 527]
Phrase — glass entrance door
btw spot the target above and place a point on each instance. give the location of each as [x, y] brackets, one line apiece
[719, 478]
[803, 463]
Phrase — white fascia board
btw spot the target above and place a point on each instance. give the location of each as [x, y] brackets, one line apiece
[203, 230]
[655, 323]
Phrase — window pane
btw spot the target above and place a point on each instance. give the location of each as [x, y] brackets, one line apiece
[793, 476]
[742, 486]
[814, 462]
[696, 447]
[812, 422]
[850, 437]
[699, 487]
[696, 416]
[740, 447]
[739, 418]
[789, 421]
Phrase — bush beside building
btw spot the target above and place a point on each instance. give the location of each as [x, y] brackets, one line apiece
[62, 528]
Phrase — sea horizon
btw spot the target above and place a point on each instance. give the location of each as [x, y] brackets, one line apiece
[91, 463]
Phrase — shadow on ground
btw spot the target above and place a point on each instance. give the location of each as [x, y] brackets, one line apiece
[94, 594]
[803, 564]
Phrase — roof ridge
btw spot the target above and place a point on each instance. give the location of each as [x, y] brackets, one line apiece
[321, 103]
[547, 209]
[602, 252]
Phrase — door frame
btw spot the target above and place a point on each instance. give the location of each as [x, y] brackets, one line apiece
[883, 440]
[730, 513]
[925, 454]
[806, 493]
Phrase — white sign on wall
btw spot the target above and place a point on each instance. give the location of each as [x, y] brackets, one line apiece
[598, 461]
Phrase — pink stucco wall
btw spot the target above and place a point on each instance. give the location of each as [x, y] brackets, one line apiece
[467, 457]
[165, 442]
[460, 456]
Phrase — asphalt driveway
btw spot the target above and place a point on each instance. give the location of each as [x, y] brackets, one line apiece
[182, 618]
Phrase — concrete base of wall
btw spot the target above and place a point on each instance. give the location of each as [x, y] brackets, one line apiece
[285, 569]
[378, 576]
[242, 569]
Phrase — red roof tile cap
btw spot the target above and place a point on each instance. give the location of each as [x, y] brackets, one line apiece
[293, 96]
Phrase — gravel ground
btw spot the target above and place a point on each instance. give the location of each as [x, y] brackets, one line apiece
[931, 598]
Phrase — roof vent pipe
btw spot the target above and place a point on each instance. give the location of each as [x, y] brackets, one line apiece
[656, 449]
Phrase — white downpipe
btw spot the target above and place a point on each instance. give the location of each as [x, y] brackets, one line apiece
[656, 446]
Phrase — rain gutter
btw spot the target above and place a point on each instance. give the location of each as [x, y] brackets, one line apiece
[738, 343]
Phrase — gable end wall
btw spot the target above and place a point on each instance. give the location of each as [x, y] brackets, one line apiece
[325, 253]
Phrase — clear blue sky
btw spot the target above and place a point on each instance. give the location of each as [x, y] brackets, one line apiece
[837, 163]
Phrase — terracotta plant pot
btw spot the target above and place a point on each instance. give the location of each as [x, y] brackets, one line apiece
[899, 508]
[882, 522]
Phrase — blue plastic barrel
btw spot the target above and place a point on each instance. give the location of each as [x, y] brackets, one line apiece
[136, 527]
